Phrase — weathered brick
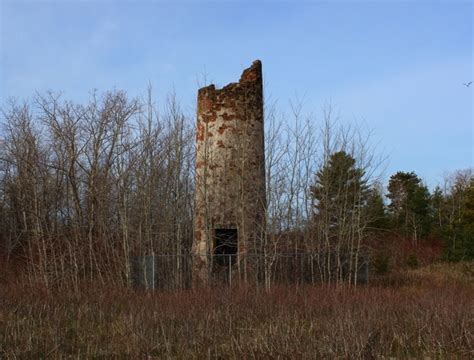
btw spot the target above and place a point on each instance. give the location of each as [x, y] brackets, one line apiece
[230, 166]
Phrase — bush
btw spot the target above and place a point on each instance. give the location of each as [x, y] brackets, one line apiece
[381, 264]
[412, 261]
[462, 249]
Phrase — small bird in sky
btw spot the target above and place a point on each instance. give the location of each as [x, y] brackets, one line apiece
[467, 84]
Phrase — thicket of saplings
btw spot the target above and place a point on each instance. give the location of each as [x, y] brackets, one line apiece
[85, 187]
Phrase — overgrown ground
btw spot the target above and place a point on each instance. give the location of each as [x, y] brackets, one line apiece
[427, 312]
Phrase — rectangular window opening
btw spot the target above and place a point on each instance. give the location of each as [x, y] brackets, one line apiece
[226, 245]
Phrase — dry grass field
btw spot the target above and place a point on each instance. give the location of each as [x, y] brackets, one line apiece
[421, 313]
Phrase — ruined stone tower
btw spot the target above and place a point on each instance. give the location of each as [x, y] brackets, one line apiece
[230, 176]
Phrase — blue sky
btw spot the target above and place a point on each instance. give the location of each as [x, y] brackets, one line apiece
[398, 66]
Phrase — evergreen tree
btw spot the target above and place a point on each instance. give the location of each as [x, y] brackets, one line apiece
[376, 211]
[341, 195]
[437, 210]
[467, 242]
[410, 204]
[340, 189]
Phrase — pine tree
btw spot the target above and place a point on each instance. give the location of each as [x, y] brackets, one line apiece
[410, 204]
[376, 211]
[340, 189]
[437, 210]
[341, 195]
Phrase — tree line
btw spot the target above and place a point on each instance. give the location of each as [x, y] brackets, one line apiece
[85, 187]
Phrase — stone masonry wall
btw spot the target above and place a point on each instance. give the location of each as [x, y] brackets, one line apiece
[230, 166]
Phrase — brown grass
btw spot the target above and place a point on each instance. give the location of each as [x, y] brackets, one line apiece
[409, 315]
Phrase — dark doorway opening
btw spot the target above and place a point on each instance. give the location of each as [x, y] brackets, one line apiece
[225, 250]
